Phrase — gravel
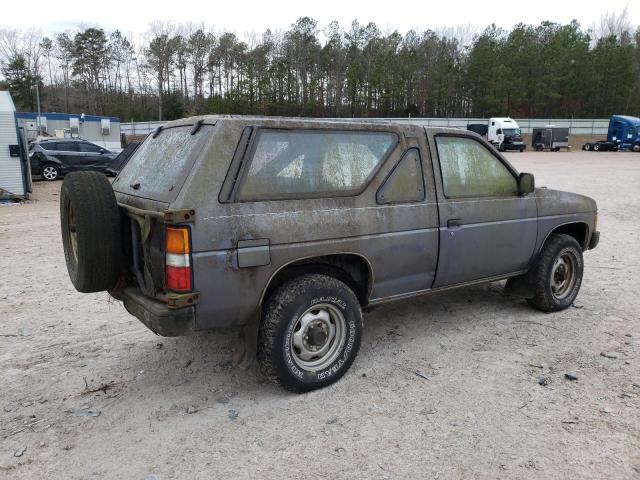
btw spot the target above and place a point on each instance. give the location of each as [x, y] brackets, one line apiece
[480, 414]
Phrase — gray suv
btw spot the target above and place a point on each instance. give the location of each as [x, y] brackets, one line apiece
[291, 228]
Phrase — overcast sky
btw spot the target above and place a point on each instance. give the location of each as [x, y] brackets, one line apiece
[241, 17]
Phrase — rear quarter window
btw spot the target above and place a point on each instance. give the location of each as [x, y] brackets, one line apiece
[160, 165]
[313, 163]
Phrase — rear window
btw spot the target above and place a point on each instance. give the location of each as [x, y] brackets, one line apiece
[313, 163]
[160, 165]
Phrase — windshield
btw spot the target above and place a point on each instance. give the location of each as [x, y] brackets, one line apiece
[160, 165]
[512, 132]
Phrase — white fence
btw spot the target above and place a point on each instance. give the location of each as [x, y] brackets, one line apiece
[595, 127]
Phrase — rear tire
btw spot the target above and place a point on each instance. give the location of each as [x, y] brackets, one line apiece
[557, 274]
[587, 147]
[596, 148]
[310, 332]
[91, 237]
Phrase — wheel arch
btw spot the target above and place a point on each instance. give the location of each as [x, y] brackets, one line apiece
[353, 269]
[578, 230]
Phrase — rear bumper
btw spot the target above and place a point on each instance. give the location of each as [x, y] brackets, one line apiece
[159, 318]
[595, 239]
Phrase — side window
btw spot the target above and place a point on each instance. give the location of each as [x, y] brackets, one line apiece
[67, 147]
[88, 147]
[469, 169]
[405, 183]
[313, 163]
[50, 146]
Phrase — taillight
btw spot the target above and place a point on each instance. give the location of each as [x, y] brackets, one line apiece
[178, 259]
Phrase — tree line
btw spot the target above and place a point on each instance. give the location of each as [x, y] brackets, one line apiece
[546, 70]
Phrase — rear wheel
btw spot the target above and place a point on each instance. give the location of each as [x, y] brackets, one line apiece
[90, 222]
[587, 146]
[310, 332]
[50, 172]
[557, 274]
[596, 147]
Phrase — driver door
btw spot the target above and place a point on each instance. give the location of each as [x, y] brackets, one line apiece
[486, 228]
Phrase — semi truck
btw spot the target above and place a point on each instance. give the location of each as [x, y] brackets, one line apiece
[505, 134]
[623, 134]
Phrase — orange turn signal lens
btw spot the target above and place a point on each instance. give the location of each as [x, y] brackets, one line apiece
[177, 240]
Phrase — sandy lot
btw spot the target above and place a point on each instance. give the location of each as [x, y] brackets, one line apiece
[479, 413]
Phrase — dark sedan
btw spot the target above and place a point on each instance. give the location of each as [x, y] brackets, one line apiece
[53, 158]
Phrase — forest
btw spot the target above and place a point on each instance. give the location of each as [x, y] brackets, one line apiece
[548, 70]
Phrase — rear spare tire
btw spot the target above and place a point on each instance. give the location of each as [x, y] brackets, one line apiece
[91, 236]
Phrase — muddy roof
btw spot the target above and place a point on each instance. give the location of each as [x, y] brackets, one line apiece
[300, 121]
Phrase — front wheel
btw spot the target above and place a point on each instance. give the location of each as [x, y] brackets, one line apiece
[310, 332]
[557, 274]
[50, 173]
[636, 147]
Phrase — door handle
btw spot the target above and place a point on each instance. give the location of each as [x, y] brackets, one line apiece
[454, 223]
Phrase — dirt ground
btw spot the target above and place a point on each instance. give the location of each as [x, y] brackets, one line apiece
[445, 385]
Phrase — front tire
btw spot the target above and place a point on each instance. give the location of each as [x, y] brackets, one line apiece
[310, 332]
[557, 274]
[50, 172]
[636, 147]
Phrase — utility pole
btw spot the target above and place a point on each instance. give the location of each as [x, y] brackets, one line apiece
[159, 100]
[38, 105]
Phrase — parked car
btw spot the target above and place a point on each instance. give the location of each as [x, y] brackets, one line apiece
[54, 158]
[291, 228]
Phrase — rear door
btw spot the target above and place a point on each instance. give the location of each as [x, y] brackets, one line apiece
[91, 157]
[67, 153]
[486, 228]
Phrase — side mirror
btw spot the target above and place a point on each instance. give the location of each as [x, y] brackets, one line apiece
[102, 150]
[526, 183]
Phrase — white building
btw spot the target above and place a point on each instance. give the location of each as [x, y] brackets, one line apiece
[15, 174]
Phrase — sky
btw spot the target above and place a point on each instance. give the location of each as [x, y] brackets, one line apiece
[242, 17]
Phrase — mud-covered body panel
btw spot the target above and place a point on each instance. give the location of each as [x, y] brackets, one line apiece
[557, 208]
[407, 248]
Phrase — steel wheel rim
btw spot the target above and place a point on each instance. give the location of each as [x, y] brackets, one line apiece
[49, 173]
[563, 276]
[318, 337]
[73, 234]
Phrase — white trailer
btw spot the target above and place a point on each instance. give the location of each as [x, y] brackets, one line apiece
[505, 134]
[15, 174]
